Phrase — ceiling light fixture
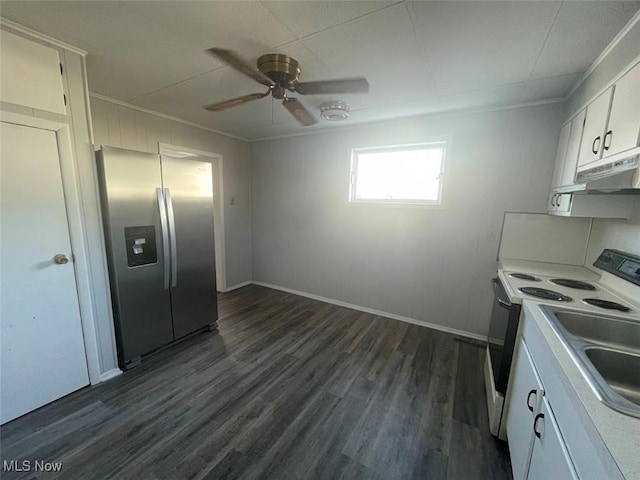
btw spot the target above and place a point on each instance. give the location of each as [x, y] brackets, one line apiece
[334, 111]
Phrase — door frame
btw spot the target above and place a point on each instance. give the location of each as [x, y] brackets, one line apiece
[218, 205]
[76, 225]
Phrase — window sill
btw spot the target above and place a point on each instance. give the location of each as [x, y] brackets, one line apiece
[411, 205]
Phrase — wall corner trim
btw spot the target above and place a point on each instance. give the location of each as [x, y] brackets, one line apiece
[373, 311]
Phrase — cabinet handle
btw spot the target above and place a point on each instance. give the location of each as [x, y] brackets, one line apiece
[604, 142]
[593, 145]
[532, 392]
[535, 424]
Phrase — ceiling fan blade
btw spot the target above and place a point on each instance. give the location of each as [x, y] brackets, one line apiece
[344, 85]
[298, 111]
[215, 107]
[234, 60]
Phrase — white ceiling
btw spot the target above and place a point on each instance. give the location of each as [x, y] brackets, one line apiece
[419, 57]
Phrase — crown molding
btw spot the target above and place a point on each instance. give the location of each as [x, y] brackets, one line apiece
[168, 117]
[41, 36]
[605, 53]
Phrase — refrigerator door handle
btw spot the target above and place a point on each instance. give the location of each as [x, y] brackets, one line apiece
[165, 236]
[172, 238]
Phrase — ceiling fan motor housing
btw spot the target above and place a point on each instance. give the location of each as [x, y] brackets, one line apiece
[282, 69]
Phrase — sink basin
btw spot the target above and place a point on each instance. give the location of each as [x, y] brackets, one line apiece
[599, 329]
[607, 351]
[620, 370]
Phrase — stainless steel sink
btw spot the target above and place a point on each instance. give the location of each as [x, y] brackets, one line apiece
[620, 370]
[607, 351]
[613, 332]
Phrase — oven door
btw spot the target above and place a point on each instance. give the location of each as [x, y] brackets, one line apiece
[502, 335]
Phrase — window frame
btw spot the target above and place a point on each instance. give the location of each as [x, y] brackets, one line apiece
[432, 204]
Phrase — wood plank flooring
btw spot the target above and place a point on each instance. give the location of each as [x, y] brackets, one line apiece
[289, 388]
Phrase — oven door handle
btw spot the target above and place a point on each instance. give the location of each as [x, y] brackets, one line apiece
[500, 293]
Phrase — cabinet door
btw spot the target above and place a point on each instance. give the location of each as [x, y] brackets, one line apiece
[594, 128]
[549, 458]
[573, 149]
[563, 202]
[561, 153]
[30, 74]
[624, 120]
[524, 402]
[551, 203]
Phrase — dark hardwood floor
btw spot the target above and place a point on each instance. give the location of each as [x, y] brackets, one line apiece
[289, 388]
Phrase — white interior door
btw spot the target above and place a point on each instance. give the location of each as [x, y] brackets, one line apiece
[42, 349]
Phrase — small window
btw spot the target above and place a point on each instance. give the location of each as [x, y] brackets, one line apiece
[405, 174]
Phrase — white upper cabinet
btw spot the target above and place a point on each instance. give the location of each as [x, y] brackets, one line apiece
[573, 149]
[564, 172]
[30, 74]
[594, 128]
[624, 120]
[563, 143]
[612, 124]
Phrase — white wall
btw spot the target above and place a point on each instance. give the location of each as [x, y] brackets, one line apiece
[121, 126]
[618, 234]
[426, 264]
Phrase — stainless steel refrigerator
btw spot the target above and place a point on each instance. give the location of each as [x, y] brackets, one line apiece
[158, 222]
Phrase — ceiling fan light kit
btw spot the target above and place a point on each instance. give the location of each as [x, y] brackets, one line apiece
[334, 111]
[281, 73]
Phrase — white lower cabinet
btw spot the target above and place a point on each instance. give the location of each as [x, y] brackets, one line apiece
[526, 392]
[535, 443]
[550, 434]
[549, 456]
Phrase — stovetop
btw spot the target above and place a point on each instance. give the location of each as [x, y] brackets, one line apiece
[577, 290]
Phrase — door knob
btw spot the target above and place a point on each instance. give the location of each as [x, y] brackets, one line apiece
[61, 259]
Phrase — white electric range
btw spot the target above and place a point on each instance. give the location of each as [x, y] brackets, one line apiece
[575, 289]
[614, 292]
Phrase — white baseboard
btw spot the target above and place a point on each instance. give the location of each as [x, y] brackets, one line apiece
[237, 286]
[373, 311]
[110, 374]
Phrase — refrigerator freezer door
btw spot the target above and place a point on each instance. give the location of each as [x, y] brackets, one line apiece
[136, 249]
[193, 276]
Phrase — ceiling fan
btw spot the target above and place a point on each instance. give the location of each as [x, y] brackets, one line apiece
[281, 74]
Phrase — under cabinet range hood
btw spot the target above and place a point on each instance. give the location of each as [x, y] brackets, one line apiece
[619, 176]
